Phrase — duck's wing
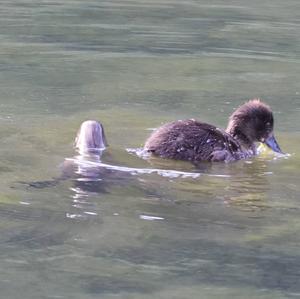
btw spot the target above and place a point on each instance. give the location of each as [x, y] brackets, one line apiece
[193, 141]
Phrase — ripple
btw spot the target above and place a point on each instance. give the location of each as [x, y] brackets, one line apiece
[150, 218]
[141, 171]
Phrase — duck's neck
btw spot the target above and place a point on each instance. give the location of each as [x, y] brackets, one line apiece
[246, 143]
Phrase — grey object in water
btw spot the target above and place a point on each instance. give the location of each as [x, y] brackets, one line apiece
[90, 137]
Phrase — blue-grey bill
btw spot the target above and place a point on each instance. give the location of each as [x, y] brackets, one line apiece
[272, 143]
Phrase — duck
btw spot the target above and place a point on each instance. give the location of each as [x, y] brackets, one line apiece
[196, 141]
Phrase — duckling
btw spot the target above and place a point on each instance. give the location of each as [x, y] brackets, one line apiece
[197, 141]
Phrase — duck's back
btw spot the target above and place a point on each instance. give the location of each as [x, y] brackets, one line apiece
[193, 141]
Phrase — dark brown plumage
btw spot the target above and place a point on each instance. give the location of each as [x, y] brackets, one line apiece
[196, 141]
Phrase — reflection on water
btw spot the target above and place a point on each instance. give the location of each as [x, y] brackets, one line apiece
[128, 227]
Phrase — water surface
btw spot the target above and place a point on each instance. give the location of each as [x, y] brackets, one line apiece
[232, 231]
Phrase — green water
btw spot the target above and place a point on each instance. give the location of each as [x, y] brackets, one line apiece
[232, 232]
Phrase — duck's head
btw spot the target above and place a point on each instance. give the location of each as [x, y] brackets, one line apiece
[253, 122]
[90, 138]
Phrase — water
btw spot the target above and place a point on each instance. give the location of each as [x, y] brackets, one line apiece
[230, 232]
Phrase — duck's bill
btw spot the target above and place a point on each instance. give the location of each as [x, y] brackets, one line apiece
[272, 143]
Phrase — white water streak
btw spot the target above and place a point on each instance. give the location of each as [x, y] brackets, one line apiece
[137, 171]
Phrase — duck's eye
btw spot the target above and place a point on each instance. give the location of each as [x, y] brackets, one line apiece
[268, 126]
